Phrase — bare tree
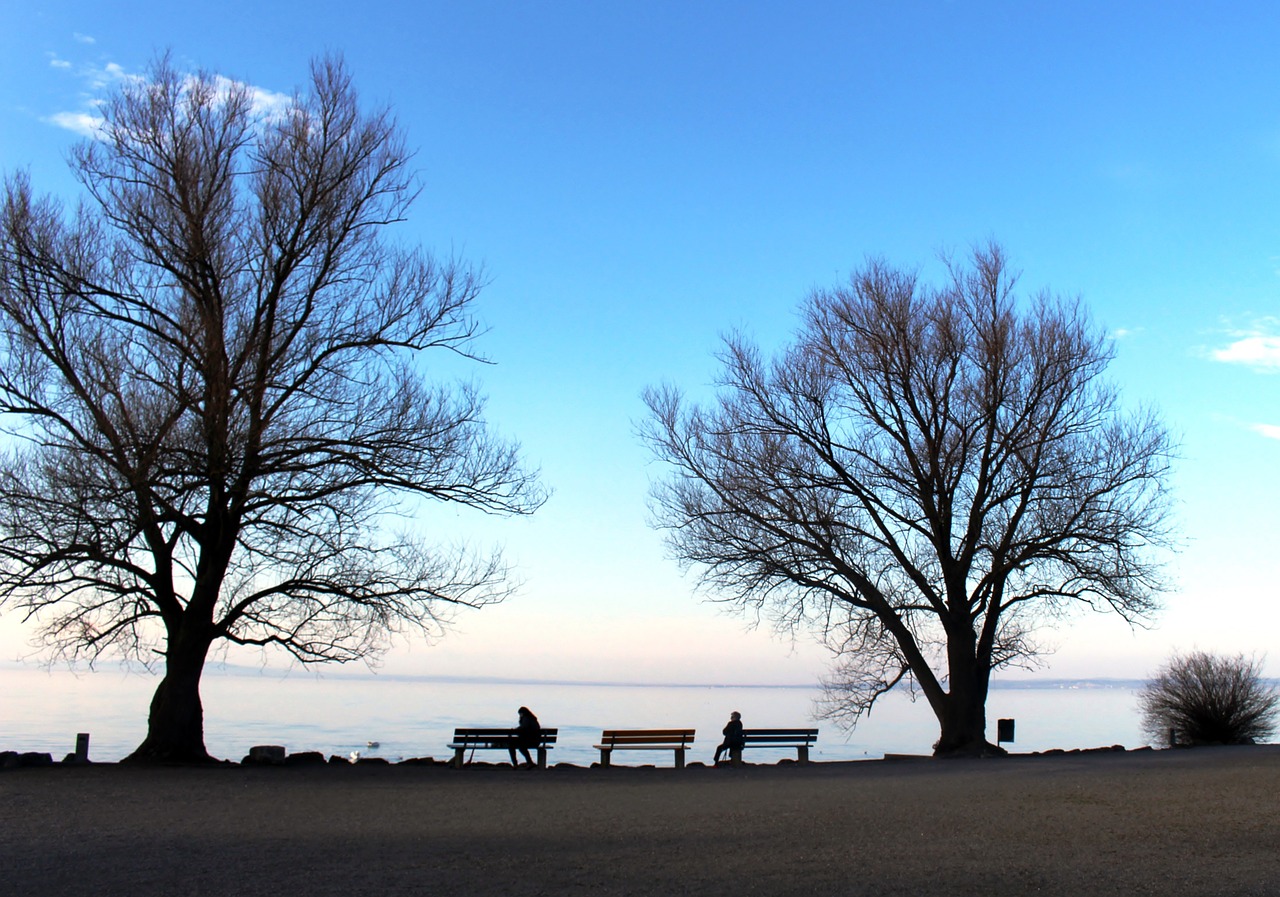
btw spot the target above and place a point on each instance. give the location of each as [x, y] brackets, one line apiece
[1201, 698]
[927, 474]
[212, 379]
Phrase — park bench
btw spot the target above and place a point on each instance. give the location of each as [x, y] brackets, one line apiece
[675, 740]
[800, 739]
[496, 739]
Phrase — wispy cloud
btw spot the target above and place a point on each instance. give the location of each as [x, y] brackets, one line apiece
[266, 104]
[96, 78]
[83, 123]
[101, 78]
[1271, 431]
[83, 38]
[106, 76]
[1257, 346]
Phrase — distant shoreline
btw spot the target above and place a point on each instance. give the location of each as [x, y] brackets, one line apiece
[338, 674]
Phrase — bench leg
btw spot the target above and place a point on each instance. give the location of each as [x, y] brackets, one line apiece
[679, 759]
[604, 756]
[457, 757]
[802, 753]
[542, 758]
[735, 756]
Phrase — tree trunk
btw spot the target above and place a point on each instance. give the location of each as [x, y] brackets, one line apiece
[175, 727]
[964, 729]
[963, 711]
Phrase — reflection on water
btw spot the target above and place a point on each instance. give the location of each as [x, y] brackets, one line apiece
[414, 717]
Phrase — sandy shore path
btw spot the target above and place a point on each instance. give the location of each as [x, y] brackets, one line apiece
[1175, 822]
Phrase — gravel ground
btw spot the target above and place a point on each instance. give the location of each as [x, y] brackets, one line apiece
[1191, 822]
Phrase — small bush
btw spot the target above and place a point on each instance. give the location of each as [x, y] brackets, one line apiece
[1202, 698]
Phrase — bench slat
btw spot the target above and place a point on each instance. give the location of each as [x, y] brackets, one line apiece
[648, 732]
[777, 740]
[798, 733]
[646, 739]
[482, 734]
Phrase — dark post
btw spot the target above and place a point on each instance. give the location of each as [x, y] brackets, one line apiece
[82, 747]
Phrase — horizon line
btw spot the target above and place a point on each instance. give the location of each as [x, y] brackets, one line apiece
[234, 669]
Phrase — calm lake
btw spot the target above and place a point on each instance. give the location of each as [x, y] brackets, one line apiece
[415, 717]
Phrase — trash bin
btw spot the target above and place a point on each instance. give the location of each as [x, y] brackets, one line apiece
[1004, 730]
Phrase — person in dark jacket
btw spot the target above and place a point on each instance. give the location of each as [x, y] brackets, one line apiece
[528, 735]
[733, 740]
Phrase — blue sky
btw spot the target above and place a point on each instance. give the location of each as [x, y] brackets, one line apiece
[639, 178]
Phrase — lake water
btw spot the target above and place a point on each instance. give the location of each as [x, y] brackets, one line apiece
[415, 717]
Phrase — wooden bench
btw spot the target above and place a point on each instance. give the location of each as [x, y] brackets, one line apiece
[675, 740]
[496, 739]
[800, 739]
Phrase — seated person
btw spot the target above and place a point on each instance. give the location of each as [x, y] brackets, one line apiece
[733, 740]
[528, 735]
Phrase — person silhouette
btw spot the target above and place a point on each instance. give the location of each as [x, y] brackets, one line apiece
[528, 735]
[733, 740]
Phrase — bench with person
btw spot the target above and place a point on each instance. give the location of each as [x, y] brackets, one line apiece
[678, 741]
[499, 740]
[800, 739]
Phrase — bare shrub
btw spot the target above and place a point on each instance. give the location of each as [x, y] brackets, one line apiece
[1201, 698]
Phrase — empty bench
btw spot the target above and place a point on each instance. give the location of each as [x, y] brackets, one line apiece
[800, 739]
[675, 740]
[496, 739]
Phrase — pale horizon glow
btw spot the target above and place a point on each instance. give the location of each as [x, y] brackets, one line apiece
[638, 180]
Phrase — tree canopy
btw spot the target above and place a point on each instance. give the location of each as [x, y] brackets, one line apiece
[927, 474]
[212, 376]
